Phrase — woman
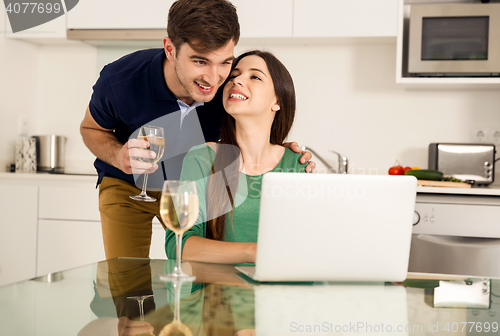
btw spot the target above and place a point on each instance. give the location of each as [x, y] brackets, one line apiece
[259, 98]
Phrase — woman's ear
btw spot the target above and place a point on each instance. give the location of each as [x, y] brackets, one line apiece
[275, 107]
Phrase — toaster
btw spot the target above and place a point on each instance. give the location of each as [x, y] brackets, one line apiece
[473, 162]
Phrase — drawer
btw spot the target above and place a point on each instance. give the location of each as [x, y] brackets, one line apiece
[69, 202]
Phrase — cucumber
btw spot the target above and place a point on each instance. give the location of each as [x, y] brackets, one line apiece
[426, 174]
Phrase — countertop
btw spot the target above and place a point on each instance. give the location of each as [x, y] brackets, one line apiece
[48, 177]
[492, 190]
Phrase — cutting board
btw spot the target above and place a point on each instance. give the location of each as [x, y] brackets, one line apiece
[427, 183]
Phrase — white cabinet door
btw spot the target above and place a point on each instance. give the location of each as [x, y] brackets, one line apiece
[55, 29]
[18, 211]
[258, 18]
[345, 18]
[74, 202]
[119, 14]
[64, 245]
[264, 18]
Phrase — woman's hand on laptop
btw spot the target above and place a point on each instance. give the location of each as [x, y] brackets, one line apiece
[306, 156]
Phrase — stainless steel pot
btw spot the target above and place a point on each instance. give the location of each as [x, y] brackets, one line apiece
[50, 153]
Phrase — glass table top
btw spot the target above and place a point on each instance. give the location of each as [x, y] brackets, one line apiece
[126, 297]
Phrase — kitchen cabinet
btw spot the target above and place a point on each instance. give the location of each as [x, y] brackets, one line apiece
[119, 14]
[66, 244]
[51, 223]
[263, 18]
[49, 32]
[345, 18]
[69, 228]
[18, 232]
[152, 14]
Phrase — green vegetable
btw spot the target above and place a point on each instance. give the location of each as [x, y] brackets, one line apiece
[451, 179]
[426, 174]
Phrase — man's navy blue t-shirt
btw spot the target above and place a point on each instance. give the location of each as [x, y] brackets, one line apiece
[131, 92]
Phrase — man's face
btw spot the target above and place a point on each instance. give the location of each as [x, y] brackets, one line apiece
[201, 74]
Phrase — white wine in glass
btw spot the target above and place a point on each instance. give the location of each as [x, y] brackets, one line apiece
[155, 137]
[179, 210]
[156, 144]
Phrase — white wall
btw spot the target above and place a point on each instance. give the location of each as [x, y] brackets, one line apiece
[18, 89]
[65, 79]
[347, 101]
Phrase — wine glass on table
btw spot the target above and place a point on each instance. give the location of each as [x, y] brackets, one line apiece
[154, 136]
[179, 210]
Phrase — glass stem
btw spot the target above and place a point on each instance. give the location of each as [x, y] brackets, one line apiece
[144, 184]
[178, 238]
[141, 309]
[177, 311]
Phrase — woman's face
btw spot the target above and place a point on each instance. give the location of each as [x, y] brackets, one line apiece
[250, 89]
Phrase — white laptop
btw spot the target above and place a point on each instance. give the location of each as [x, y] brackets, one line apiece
[334, 227]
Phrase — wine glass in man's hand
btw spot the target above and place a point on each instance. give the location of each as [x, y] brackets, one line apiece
[156, 141]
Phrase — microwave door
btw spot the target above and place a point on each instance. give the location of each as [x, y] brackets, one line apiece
[454, 39]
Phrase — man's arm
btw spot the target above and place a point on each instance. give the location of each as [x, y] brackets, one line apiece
[306, 156]
[104, 145]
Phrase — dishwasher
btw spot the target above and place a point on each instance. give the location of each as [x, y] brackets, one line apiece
[460, 234]
[456, 234]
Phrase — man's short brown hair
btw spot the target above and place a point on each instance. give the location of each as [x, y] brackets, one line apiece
[206, 25]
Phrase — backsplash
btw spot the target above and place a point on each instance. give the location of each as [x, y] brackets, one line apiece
[347, 101]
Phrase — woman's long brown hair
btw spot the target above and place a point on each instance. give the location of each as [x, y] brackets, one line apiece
[223, 183]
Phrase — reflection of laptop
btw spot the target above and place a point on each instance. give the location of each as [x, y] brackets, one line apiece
[333, 309]
[332, 227]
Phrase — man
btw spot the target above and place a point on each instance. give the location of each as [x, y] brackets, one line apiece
[173, 87]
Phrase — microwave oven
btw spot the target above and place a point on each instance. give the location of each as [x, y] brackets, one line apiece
[454, 39]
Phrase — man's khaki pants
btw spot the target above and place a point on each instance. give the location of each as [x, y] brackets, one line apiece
[126, 223]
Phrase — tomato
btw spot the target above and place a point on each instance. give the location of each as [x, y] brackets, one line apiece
[405, 169]
[396, 170]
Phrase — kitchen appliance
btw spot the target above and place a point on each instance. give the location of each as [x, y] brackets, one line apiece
[454, 39]
[50, 151]
[473, 162]
[457, 233]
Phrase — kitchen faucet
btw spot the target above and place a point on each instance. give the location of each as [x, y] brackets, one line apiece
[342, 161]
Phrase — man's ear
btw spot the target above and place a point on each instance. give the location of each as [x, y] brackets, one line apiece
[169, 48]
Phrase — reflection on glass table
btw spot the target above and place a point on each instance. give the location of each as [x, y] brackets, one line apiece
[93, 300]
[176, 327]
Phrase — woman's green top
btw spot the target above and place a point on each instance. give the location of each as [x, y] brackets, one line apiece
[197, 166]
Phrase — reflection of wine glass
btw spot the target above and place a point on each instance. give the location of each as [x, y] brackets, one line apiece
[140, 299]
[154, 136]
[179, 210]
[176, 327]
